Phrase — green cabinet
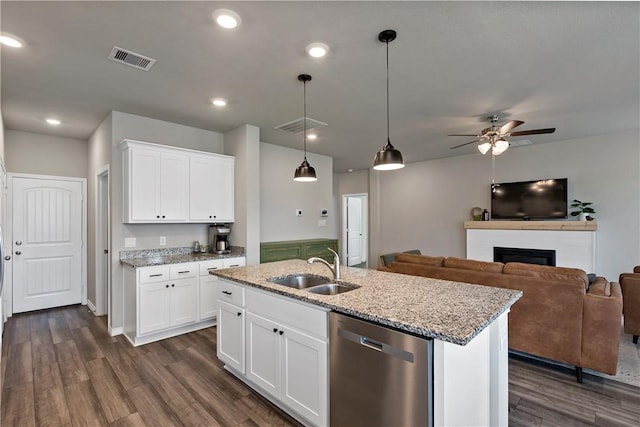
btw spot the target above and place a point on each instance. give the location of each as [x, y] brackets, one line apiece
[297, 249]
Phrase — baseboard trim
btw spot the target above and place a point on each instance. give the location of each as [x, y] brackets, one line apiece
[116, 331]
[91, 306]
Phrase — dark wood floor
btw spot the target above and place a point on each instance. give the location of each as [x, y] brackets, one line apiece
[61, 368]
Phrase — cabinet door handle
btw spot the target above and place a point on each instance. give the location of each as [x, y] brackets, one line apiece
[162, 216]
[227, 292]
[157, 216]
[156, 275]
[234, 265]
[281, 332]
[166, 286]
[173, 285]
[275, 329]
[239, 314]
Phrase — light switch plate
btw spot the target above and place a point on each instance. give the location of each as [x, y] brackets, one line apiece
[129, 242]
[163, 240]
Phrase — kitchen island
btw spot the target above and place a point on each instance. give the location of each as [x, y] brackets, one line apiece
[468, 325]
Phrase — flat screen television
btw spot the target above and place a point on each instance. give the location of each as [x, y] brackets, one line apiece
[538, 200]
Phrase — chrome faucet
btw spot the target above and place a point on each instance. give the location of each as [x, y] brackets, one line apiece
[335, 267]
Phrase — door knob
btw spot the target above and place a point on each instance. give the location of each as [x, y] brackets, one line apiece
[7, 258]
[18, 242]
[18, 252]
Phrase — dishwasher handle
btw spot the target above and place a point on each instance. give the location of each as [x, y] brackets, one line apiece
[369, 343]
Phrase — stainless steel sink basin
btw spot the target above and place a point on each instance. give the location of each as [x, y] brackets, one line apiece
[312, 283]
[330, 289]
[300, 281]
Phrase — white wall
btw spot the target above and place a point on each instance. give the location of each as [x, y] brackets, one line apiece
[424, 205]
[38, 154]
[244, 144]
[280, 196]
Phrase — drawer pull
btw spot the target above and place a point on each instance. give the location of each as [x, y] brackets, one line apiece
[234, 265]
[239, 314]
[183, 272]
[156, 275]
[212, 268]
[227, 292]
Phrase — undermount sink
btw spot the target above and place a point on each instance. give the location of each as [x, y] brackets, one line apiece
[330, 289]
[300, 281]
[314, 284]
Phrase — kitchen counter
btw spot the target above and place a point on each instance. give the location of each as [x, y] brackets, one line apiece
[150, 257]
[448, 311]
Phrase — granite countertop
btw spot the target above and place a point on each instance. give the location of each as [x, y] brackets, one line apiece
[151, 257]
[441, 309]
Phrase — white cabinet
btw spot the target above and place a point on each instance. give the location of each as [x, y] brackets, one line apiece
[167, 303]
[231, 325]
[211, 188]
[156, 185]
[286, 349]
[170, 184]
[208, 285]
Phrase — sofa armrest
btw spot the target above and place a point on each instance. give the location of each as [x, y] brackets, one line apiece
[601, 326]
[631, 294]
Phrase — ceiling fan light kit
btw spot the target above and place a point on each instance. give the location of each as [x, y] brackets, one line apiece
[389, 158]
[494, 137]
[305, 172]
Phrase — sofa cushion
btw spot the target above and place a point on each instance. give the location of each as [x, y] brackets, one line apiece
[600, 286]
[547, 272]
[471, 264]
[436, 261]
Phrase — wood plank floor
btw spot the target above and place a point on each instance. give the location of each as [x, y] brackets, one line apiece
[60, 367]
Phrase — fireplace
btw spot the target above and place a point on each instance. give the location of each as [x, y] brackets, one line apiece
[529, 256]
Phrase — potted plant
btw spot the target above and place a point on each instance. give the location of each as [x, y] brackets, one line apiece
[583, 210]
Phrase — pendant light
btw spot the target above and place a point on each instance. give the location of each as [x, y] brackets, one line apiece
[305, 172]
[388, 158]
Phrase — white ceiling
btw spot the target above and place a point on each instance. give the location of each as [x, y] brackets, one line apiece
[570, 65]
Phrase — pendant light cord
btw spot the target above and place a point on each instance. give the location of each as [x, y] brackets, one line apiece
[304, 91]
[387, 91]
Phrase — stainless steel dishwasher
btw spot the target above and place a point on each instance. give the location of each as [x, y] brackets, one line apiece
[378, 376]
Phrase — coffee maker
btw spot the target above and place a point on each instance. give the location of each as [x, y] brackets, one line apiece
[219, 238]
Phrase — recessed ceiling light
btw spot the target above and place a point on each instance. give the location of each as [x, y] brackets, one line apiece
[219, 102]
[349, 170]
[53, 122]
[10, 40]
[226, 18]
[317, 50]
[311, 136]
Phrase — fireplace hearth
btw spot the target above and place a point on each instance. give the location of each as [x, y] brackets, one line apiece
[529, 256]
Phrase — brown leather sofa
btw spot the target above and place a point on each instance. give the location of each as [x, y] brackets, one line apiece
[630, 283]
[560, 316]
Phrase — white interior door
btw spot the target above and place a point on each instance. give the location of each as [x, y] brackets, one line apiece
[47, 243]
[354, 230]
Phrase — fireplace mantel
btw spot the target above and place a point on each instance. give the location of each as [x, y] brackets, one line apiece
[573, 241]
[532, 225]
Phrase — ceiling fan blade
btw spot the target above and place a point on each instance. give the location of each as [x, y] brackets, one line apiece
[461, 134]
[533, 132]
[466, 143]
[505, 128]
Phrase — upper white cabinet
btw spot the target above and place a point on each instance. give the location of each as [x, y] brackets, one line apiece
[211, 188]
[169, 184]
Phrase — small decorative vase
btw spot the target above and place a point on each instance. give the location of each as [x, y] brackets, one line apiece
[583, 216]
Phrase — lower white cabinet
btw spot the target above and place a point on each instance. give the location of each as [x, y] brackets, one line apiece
[284, 342]
[167, 300]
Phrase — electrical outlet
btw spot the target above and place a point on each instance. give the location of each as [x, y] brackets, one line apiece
[129, 242]
[298, 212]
[163, 240]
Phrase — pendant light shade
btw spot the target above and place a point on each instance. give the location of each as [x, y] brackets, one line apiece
[305, 172]
[388, 158]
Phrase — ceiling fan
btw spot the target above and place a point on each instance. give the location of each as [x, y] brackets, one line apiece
[494, 136]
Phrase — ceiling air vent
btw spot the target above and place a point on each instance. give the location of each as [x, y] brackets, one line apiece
[297, 125]
[519, 143]
[131, 59]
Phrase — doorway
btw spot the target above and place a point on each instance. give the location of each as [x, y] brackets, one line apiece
[48, 230]
[355, 229]
[102, 249]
